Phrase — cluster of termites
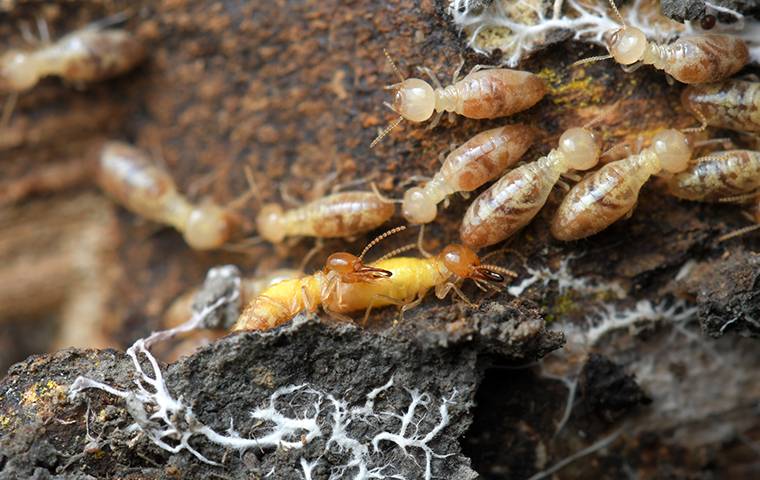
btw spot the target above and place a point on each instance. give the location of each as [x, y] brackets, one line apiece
[349, 283]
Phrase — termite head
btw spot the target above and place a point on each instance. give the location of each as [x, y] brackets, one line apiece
[414, 100]
[626, 45]
[673, 150]
[418, 207]
[580, 148]
[269, 223]
[351, 268]
[209, 226]
[18, 72]
[465, 263]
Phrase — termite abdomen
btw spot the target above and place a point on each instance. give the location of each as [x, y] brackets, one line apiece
[717, 176]
[734, 104]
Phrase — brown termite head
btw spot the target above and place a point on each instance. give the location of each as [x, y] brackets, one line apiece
[414, 100]
[672, 149]
[269, 223]
[209, 226]
[465, 263]
[626, 44]
[580, 147]
[352, 269]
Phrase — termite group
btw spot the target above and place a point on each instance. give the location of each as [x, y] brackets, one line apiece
[348, 283]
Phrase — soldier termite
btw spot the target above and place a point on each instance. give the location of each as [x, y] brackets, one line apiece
[718, 177]
[608, 194]
[734, 104]
[485, 93]
[406, 284]
[690, 59]
[479, 160]
[90, 54]
[127, 175]
[513, 201]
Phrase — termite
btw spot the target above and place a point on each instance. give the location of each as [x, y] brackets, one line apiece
[181, 308]
[718, 176]
[127, 175]
[479, 160]
[485, 93]
[513, 201]
[734, 104]
[406, 283]
[90, 54]
[690, 59]
[342, 214]
[610, 193]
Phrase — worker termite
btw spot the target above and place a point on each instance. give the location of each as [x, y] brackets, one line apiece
[690, 59]
[405, 283]
[90, 54]
[129, 177]
[484, 93]
[718, 176]
[479, 160]
[608, 194]
[734, 104]
[513, 201]
[342, 214]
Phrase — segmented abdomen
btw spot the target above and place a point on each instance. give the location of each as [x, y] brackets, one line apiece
[339, 215]
[281, 302]
[98, 55]
[486, 156]
[128, 176]
[497, 93]
[600, 199]
[704, 58]
[509, 204]
[718, 175]
[734, 104]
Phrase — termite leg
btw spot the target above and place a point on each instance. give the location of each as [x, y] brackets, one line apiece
[434, 80]
[635, 66]
[441, 291]
[420, 244]
[739, 198]
[573, 177]
[380, 196]
[414, 179]
[563, 185]
[458, 70]
[338, 316]
[738, 233]
[288, 198]
[391, 300]
[8, 107]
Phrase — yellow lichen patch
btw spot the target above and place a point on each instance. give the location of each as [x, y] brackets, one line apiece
[43, 393]
[5, 420]
[580, 91]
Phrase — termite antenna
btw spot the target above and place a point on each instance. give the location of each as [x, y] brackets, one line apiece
[111, 20]
[385, 132]
[393, 66]
[738, 198]
[602, 115]
[380, 238]
[397, 251]
[617, 12]
[701, 116]
[584, 61]
[420, 242]
[738, 233]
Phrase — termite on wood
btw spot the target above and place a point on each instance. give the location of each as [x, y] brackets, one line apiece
[479, 160]
[610, 193]
[90, 54]
[407, 282]
[718, 176]
[128, 176]
[690, 59]
[485, 93]
[734, 104]
[513, 201]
